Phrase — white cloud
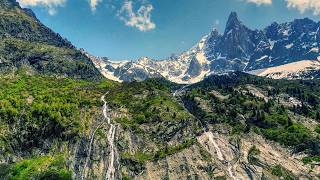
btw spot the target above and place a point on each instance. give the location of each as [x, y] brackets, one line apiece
[260, 2]
[51, 5]
[303, 5]
[94, 4]
[140, 19]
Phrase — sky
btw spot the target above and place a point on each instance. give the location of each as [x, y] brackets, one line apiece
[130, 29]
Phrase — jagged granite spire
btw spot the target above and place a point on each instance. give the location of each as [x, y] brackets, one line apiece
[233, 22]
[237, 39]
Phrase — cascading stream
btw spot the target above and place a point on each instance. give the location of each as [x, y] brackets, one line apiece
[89, 152]
[111, 172]
[215, 145]
[178, 91]
[230, 171]
[220, 155]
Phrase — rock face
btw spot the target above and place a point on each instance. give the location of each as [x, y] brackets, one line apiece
[234, 47]
[239, 48]
[27, 44]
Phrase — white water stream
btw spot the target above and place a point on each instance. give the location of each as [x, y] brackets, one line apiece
[215, 145]
[89, 152]
[111, 172]
[230, 171]
[178, 91]
[220, 155]
[113, 159]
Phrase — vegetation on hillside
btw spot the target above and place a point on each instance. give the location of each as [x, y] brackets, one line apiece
[45, 167]
[38, 109]
[26, 43]
[34, 109]
[245, 111]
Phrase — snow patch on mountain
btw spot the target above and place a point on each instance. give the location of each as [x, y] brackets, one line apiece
[295, 70]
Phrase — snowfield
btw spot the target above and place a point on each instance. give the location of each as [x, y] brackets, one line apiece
[288, 71]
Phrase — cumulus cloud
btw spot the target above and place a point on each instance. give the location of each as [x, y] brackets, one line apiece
[260, 2]
[303, 5]
[140, 18]
[94, 4]
[51, 5]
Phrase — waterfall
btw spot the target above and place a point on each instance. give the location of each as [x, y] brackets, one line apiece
[220, 155]
[111, 172]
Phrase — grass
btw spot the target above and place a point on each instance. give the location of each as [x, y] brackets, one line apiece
[252, 153]
[174, 149]
[44, 167]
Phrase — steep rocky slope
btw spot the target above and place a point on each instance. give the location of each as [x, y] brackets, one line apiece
[239, 48]
[26, 43]
[231, 126]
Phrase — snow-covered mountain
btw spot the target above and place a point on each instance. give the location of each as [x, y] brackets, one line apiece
[239, 48]
[190, 67]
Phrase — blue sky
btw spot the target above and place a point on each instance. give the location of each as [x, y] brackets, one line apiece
[129, 29]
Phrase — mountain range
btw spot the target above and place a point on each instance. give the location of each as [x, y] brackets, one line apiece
[239, 48]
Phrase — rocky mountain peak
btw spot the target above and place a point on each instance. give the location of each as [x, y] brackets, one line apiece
[233, 22]
[144, 60]
[237, 39]
[214, 33]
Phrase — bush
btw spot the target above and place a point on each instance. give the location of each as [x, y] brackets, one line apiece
[281, 172]
[293, 135]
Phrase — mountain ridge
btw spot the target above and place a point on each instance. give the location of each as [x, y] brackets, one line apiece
[239, 48]
[29, 45]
